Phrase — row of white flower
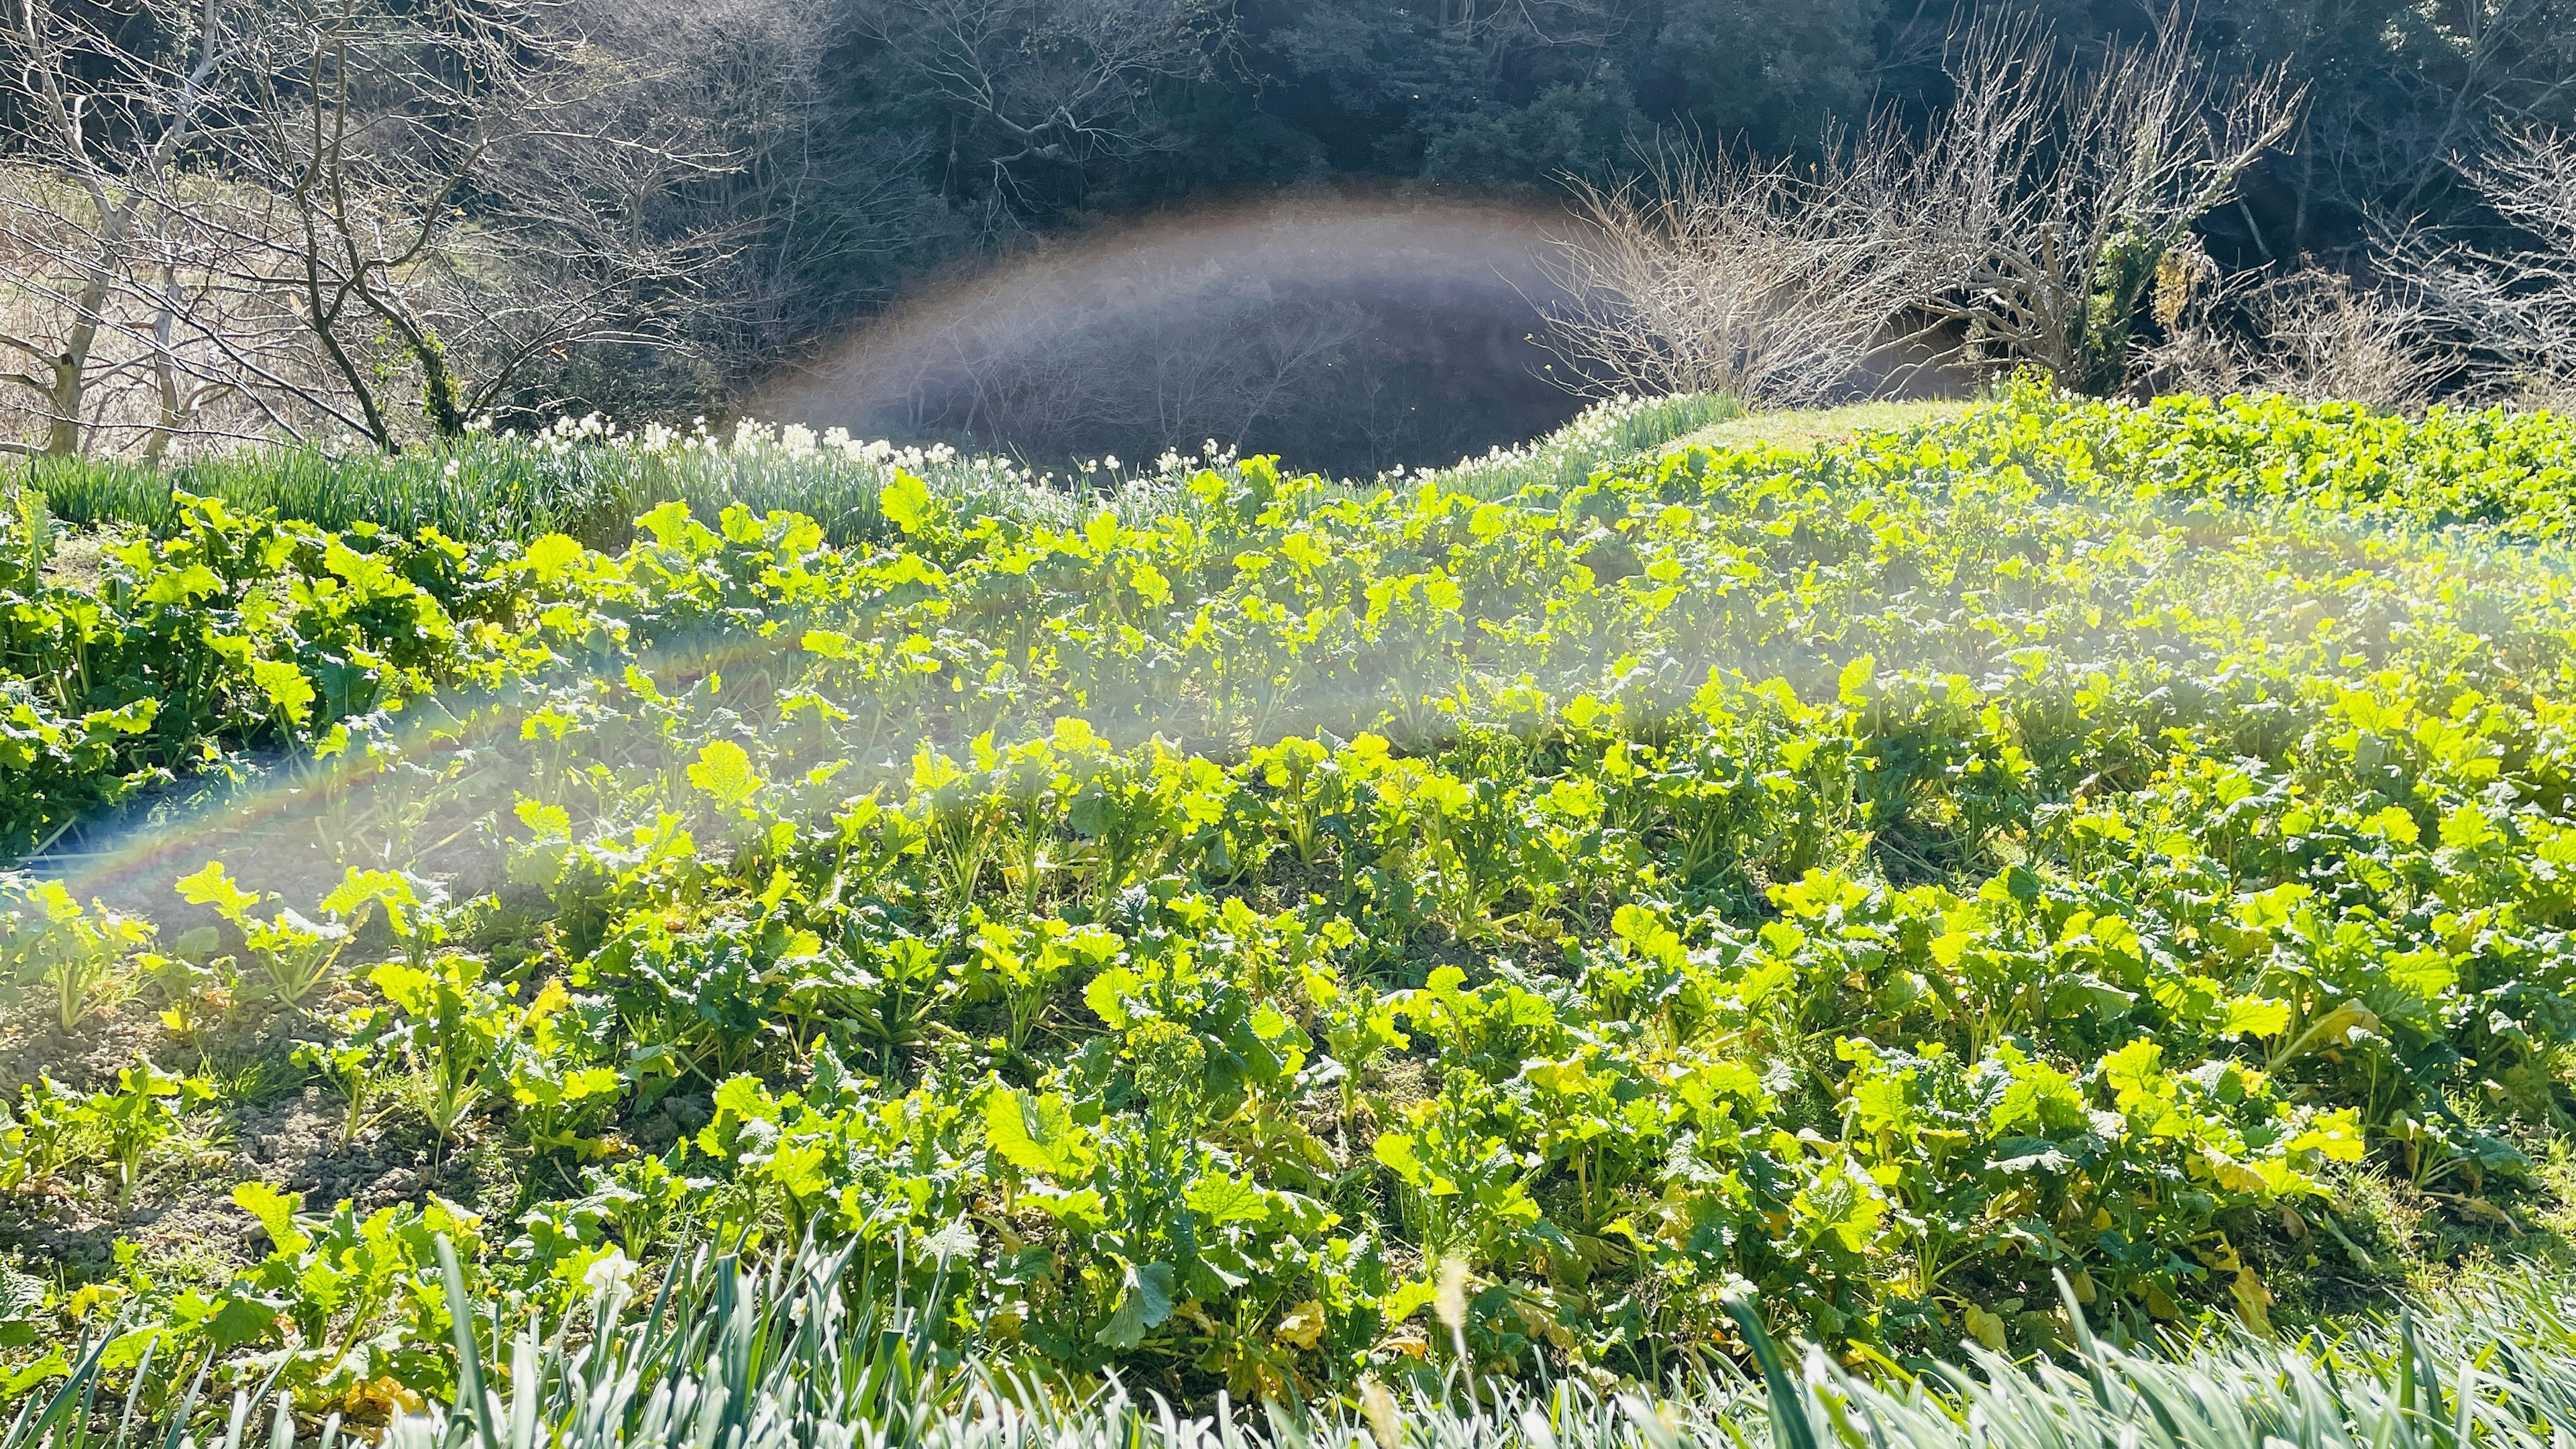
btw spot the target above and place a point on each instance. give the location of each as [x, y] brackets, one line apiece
[797, 443]
[1591, 433]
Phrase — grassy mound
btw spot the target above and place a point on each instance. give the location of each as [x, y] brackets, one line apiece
[1267, 935]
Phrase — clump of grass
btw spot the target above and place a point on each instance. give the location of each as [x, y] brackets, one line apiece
[480, 489]
[580, 478]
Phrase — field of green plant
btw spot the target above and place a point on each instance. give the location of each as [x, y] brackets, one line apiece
[1261, 935]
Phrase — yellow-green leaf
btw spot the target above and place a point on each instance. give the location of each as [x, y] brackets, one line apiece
[905, 502]
[724, 773]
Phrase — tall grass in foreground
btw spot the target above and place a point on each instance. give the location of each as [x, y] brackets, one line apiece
[582, 479]
[800, 1356]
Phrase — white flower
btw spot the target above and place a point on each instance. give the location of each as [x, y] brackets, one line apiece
[609, 1272]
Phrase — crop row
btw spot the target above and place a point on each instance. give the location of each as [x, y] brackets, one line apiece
[1891, 877]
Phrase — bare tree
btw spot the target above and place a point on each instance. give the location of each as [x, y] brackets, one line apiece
[2026, 226]
[184, 381]
[1715, 272]
[323, 208]
[1049, 83]
[1497, 27]
[815, 214]
[104, 161]
[2039, 207]
[2508, 61]
[2314, 335]
[2516, 309]
[458, 197]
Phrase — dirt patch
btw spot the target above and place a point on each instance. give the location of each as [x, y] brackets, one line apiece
[77, 561]
[270, 1120]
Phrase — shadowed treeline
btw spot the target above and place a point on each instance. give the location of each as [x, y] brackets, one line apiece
[1350, 334]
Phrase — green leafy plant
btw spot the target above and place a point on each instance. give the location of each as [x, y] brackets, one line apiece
[356, 1061]
[83, 957]
[1270, 935]
[55, 1134]
[139, 1117]
[292, 955]
[454, 1029]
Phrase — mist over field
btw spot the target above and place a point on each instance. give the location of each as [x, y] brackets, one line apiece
[1287, 724]
[1349, 334]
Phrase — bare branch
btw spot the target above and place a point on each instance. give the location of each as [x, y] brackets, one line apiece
[2039, 207]
[2518, 308]
[1718, 273]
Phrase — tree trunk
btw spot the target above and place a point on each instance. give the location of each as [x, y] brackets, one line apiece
[71, 367]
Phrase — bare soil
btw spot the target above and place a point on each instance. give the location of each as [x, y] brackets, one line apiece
[272, 1121]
